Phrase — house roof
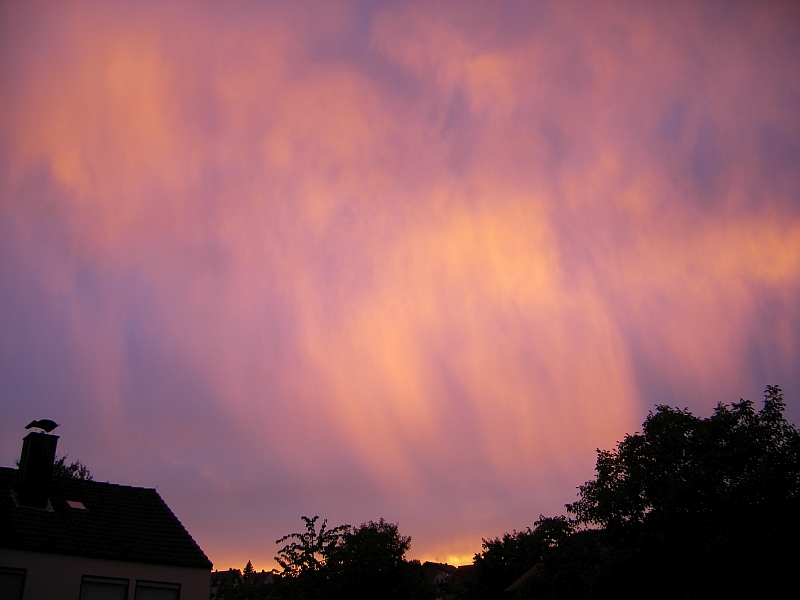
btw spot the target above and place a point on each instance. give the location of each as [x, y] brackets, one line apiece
[428, 565]
[259, 579]
[525, 576]
[119, 522]
[231, 576]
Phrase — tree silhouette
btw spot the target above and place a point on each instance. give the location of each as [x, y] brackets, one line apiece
[308, 553]
[687, 508]
[682, 467]
[369, 562]
[504, 560]
[248, 570]
[350, 562]
[74, 470]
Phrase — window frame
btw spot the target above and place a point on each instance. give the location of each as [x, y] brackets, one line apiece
[17, 571]
[148, 583]
[104, 579]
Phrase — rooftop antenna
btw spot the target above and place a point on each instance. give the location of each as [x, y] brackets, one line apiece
[45, 425]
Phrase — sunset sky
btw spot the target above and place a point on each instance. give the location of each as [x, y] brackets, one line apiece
[389, 259]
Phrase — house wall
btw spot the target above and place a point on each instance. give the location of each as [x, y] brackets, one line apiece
[58, 577]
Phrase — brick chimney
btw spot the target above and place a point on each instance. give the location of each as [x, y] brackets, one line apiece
[36, 468]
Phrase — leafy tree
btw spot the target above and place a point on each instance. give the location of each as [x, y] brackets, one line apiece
[369, 562]
[308, 553]
[687, 501]
[74, 470]
[350, 562]
[688, 508]
[504, 560]
[682, 467]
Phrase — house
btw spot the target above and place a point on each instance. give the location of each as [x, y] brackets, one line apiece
[449, 581]
[259, 580]
[529, 574]
[225, 583]
[463, 574]
[438, 573]
[69, 539]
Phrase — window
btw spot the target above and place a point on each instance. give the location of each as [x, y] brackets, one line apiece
[12, 581]
[103, 588]
[157, 590]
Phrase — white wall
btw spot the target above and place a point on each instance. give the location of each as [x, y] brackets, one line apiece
[58, 577]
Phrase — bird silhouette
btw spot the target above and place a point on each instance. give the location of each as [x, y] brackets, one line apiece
[45, 425]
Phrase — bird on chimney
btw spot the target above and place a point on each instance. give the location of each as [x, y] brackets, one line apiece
[45, 425]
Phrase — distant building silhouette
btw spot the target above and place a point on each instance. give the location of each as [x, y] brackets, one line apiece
[438, 573]
[450, 581]
[224, 584]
